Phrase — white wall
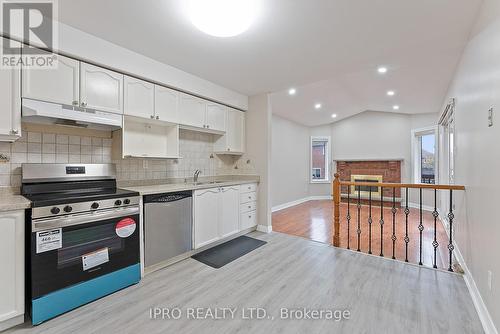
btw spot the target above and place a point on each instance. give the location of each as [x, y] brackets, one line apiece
[368, 135]
[476, 87]
[290, 161]
[258, 149]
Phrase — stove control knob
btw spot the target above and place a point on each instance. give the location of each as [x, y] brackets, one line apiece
[126, 202]
[55, 210]
[118, 203]
[95, 206]
[68, 209]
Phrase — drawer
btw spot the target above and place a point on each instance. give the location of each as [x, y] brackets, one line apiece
[248, 188]
[246, 207]
[248, 219]
[248, 197]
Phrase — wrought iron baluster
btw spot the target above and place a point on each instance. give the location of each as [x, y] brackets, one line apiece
[451, 216]
[381, 221]
[435, 214]
[359, 219]
[420, 227]
[393, 237]
[348, 218]
[407, 239]
[370, 221]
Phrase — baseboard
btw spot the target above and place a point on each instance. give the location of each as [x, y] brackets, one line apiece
[289, 204]
[320, 198]
[299, 201]
[482, 310]
[417, 206]
[480, 306]
[264, 228]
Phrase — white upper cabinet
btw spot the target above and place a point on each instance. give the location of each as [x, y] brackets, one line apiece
[233, 142]
[10, 103]
[215, 118]
[101, 89]
[58, 85]
[139, 98]
[192, 111]
[166, 104]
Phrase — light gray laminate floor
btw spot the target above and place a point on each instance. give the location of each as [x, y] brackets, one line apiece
[382, 296]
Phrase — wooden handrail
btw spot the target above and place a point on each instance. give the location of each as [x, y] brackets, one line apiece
[336, 191]
[404, 185]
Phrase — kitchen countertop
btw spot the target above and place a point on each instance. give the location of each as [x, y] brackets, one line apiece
[11, 202]
[173, 187]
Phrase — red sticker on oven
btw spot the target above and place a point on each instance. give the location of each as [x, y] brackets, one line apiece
[125, 227]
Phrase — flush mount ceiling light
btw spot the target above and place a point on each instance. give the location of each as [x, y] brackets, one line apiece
[334, 115]
[223, 18]
[317, 106]
[382, 69]
[292, 91]
[396, 107]
[391, 93]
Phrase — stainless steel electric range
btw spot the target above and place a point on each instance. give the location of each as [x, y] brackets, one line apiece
[82, 236]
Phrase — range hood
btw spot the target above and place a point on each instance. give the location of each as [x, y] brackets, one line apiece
[40, 112]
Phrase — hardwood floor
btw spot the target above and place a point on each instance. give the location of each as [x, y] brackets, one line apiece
[313, 220]
[382, 296]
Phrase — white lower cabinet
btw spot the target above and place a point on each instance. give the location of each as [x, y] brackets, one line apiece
[248, 206]
[223, 211]
[229, 211]
[12, 261]
[206, 216]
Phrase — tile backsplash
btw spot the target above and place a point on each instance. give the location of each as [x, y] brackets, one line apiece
[196, 150]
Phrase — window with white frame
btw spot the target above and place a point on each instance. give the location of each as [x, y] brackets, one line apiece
[425, 164]
[320, 159]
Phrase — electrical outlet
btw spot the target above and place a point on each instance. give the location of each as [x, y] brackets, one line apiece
[490, 279]
[490, 117]
[144, 164]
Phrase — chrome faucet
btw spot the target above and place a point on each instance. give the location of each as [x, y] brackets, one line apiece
[196, 174]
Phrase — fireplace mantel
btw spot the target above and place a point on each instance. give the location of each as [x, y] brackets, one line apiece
[364, 159]
[385, 170]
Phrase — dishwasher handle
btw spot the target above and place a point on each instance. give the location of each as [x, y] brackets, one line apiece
[168, 197]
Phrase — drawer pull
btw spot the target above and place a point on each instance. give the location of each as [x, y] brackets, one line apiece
[249, 216]
[249, 207]
[249, 197]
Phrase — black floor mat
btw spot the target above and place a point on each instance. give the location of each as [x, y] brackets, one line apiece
[227, 252]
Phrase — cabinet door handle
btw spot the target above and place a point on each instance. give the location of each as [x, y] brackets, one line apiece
[84, 104]
[208, 126]
[14, 132]
[249, 207]
[75, 103]
[152, 116]
[157, 117]
[249, 216]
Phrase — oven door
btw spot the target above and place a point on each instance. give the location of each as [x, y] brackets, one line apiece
[73, 249]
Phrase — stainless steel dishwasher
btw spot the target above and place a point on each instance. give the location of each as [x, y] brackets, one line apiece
[168, 226]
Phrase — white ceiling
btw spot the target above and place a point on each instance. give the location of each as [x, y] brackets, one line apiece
[328, 49]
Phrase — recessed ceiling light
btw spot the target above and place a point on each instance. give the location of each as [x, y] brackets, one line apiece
[223, 18]
[396, 107]
[292, 91]
[382, 69]
[334, 115]
[391, 93]
[317, 106]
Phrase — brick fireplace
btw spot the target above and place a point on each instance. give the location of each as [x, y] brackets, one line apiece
[386, 171]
